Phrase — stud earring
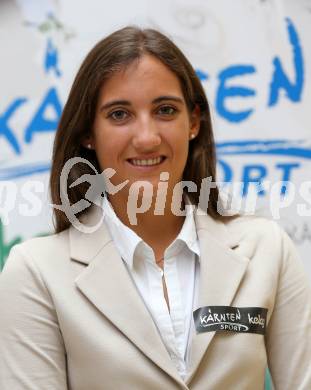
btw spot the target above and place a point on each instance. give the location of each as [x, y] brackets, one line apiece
[192, 136]
[89, 146]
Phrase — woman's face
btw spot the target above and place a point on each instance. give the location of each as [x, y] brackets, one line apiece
[142, 126]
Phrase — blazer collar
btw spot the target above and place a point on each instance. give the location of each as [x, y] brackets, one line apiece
[106, 283]
[109, 287]
[85, 246]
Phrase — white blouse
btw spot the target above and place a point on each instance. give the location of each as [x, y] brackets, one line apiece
[181, 273]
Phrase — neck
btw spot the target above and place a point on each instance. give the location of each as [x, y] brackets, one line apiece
[157, 226]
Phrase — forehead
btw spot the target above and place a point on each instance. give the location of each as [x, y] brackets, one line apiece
[146, 77]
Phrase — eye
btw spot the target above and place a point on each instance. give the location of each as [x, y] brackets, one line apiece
[118, 115]
[167, 110]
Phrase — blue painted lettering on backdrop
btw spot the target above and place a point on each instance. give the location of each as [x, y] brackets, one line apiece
[287, 170]
[40, 123]
[238, 91]
[51, 59]
[253, 174]
[201, 75]
[280, 81]
[5, 129]
[257, 173]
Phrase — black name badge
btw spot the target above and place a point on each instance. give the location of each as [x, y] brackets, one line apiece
[230, 318]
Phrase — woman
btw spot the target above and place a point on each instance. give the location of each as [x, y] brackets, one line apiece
[154, 298]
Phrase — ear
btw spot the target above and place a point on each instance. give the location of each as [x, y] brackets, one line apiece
[195, 122]
[88, 142]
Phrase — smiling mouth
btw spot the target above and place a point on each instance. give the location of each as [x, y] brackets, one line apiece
[149, 162]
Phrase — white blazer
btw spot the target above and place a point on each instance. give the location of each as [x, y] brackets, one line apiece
[71, 317]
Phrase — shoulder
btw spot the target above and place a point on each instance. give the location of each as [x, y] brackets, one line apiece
[45, 246]
[258, 229]
[38, 255]
[260, 236]
[250, 223]
[251, 232]
[266, 238]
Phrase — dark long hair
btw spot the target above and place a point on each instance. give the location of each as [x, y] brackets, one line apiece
[109, 56]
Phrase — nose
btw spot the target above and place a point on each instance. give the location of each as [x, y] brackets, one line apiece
[146, 136]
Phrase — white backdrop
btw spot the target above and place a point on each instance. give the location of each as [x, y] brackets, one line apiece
[253, 58]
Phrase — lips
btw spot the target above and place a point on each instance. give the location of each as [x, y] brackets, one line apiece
[146, 162]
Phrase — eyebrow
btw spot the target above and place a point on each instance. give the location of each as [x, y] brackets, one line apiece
[128, 103]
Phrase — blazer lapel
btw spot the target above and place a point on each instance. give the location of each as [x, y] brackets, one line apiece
[221, 272]
[108, 286]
